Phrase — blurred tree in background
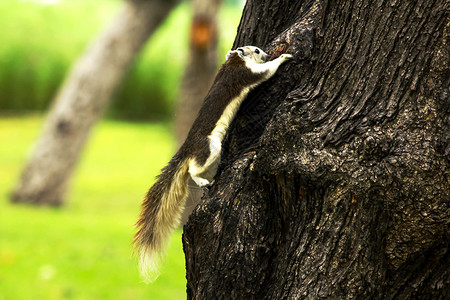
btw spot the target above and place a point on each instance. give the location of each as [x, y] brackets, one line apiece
[83, 98]
[201, 67]
[147, 92]
[40, 41]
[197, 78]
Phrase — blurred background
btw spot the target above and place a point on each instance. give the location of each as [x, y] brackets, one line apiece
[81, 248]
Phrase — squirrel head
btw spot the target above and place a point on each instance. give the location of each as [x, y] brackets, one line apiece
[251, 53]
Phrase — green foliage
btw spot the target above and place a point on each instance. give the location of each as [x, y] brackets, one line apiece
[151, 87]
[41, 42]
[83, 250]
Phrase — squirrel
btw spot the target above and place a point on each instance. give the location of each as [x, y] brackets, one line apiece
[244, 69]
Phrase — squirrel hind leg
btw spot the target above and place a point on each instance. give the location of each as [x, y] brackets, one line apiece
[203, 174]
[196, 172]
[201, 182]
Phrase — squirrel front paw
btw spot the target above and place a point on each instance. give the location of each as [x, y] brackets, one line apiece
[286, 56]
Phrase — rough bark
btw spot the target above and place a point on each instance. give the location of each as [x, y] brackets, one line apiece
[334, 181]
[197, 78]
[82, 99]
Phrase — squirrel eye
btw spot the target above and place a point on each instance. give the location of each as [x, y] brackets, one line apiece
[257, 51]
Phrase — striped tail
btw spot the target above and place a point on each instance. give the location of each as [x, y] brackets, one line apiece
[161, 212]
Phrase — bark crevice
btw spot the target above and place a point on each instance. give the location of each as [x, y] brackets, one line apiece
[345, 184]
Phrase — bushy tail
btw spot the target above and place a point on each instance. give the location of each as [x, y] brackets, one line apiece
[161, 212]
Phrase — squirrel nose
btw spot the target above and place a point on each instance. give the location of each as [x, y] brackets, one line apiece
[264, 57]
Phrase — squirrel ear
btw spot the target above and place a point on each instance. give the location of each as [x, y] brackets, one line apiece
[228, 54]
[240, 52]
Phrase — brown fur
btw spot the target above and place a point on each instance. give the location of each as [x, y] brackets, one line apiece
[164, 202]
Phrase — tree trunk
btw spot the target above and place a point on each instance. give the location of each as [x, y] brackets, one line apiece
[334, 181]
[82, 100]
[197, 79]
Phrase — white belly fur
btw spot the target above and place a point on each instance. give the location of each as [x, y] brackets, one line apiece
[224, 121]
[215, 141]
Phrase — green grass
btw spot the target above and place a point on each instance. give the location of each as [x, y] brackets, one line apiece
[83, 250]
